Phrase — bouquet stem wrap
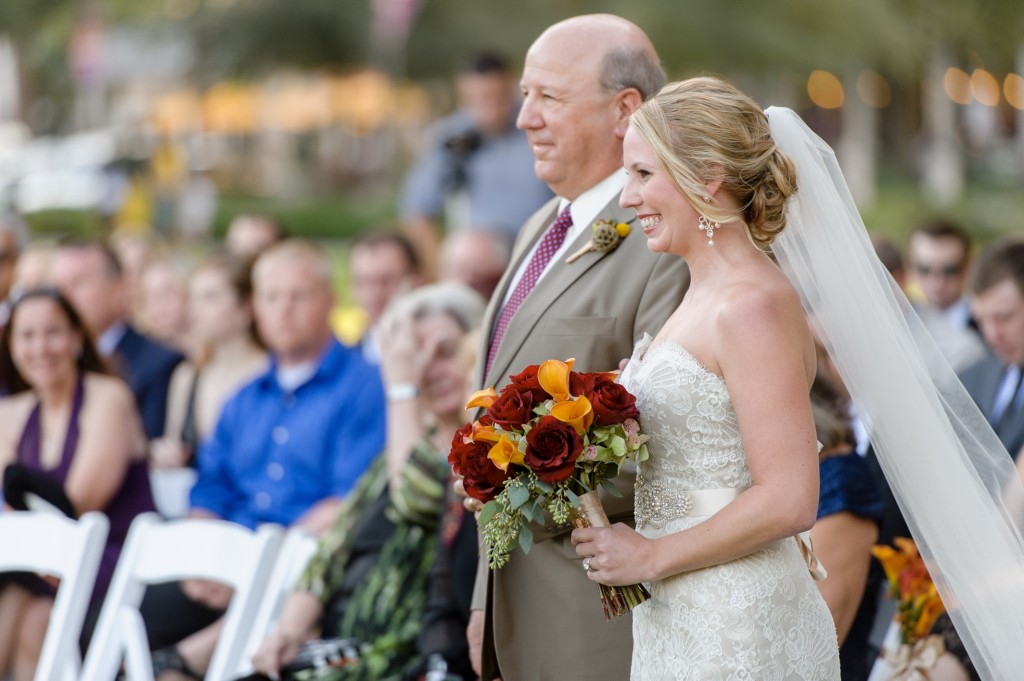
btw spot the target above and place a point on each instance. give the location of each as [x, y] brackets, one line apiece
[615, 600]
[914, 662]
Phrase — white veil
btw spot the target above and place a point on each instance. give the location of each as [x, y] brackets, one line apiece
[952, 477]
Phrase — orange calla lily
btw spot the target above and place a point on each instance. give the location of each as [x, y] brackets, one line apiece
[577, 413]
[553, 377]
[892, 561]
[482, 398]
[504, 454]
[931, 609]
[485, 433]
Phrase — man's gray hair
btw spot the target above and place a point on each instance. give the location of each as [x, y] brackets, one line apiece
[458, 301]
[632, 67]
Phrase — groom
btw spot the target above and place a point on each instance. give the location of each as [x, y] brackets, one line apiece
[539, 618]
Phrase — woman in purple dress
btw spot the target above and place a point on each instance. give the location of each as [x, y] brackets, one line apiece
[64, 419]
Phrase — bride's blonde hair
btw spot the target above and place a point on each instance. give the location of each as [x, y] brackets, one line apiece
[704, 129]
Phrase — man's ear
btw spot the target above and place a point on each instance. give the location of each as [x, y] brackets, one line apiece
[626, 102]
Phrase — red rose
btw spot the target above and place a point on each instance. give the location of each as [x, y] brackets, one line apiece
[526, 381]
[611, 403]
[582, 383]
[512, 408]
[552, 448]
[481, 478]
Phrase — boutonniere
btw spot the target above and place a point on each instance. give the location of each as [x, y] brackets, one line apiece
[605, 236]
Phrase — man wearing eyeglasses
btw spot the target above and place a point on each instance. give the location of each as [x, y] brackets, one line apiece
[939, 259]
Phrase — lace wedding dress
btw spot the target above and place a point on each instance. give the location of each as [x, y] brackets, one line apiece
[760, 617]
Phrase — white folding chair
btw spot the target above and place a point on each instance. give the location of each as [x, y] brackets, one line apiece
[191, 548]
[298, 547]
[52, 544]
[882, 670]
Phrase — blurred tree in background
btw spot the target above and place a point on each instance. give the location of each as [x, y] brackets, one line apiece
[769, 48]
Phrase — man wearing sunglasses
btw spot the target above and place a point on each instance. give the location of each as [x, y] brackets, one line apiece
[939, 259]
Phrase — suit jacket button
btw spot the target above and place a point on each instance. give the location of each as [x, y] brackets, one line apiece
[551, 529]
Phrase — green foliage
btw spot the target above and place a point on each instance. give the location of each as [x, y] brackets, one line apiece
[245, 39]
[344, 216]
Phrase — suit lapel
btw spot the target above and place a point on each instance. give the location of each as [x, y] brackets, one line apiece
[555, 282]
[1012, 432]
[990, 386]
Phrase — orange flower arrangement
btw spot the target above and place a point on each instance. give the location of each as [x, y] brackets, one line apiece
[546, 443]
[918, 605]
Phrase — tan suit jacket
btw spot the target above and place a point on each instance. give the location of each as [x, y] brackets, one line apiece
[544, 619]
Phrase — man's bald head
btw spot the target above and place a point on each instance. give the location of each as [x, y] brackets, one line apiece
[627, 58]
[582, 79]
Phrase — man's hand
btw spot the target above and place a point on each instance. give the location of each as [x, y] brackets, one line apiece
[475, 637]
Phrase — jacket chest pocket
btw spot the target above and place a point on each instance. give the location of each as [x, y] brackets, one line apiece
[578, 326]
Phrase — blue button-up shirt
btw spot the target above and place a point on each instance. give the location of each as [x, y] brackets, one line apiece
[274, 454]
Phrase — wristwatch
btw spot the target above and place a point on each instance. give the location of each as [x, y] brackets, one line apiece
[402, 391]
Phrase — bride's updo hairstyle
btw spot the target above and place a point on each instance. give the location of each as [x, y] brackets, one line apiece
[702, 129]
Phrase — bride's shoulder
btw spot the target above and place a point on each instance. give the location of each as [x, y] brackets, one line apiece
[754, 307]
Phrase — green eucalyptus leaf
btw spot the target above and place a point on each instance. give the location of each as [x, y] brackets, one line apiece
[609, 487]
[517, 496]
[488, 511]
[525, 538]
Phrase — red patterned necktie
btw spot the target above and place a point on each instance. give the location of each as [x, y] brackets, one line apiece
[549, 243]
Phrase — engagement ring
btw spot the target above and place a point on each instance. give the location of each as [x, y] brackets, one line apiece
[586, 564]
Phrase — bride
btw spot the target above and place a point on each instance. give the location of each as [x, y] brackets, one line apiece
[723, 391]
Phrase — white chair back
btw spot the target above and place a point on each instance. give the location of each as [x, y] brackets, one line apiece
[52, 544]
[298, 547]
[157, 552]
[882, 670]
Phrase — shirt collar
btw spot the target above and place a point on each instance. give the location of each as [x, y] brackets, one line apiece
[107, 341]
[588, 205]
[959, 313]
[332, 360]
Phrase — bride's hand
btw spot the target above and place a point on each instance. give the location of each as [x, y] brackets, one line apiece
[616, 555]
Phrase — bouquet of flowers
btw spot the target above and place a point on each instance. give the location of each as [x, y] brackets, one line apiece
[918, 607]
[547, 443]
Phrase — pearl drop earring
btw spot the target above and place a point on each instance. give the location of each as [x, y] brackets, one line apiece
[709, 227]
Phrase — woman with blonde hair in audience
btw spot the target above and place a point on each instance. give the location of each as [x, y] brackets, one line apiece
[368, 580]
[227, 355]
[73, 433]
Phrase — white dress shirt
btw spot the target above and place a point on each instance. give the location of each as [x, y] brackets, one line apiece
[584, 211]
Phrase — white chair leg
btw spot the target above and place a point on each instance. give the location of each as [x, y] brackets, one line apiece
[138, 662]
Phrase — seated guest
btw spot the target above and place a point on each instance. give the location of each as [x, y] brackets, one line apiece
[368, 578]
[849, 511]
[476, 258]
[33, 268]
[250, 234]
[90, 275]
[68, 422]
[287, 447]
[382, 265]
[13, 237]
[940, 254]
[160, 303]
[996, 383]
[227, 355]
